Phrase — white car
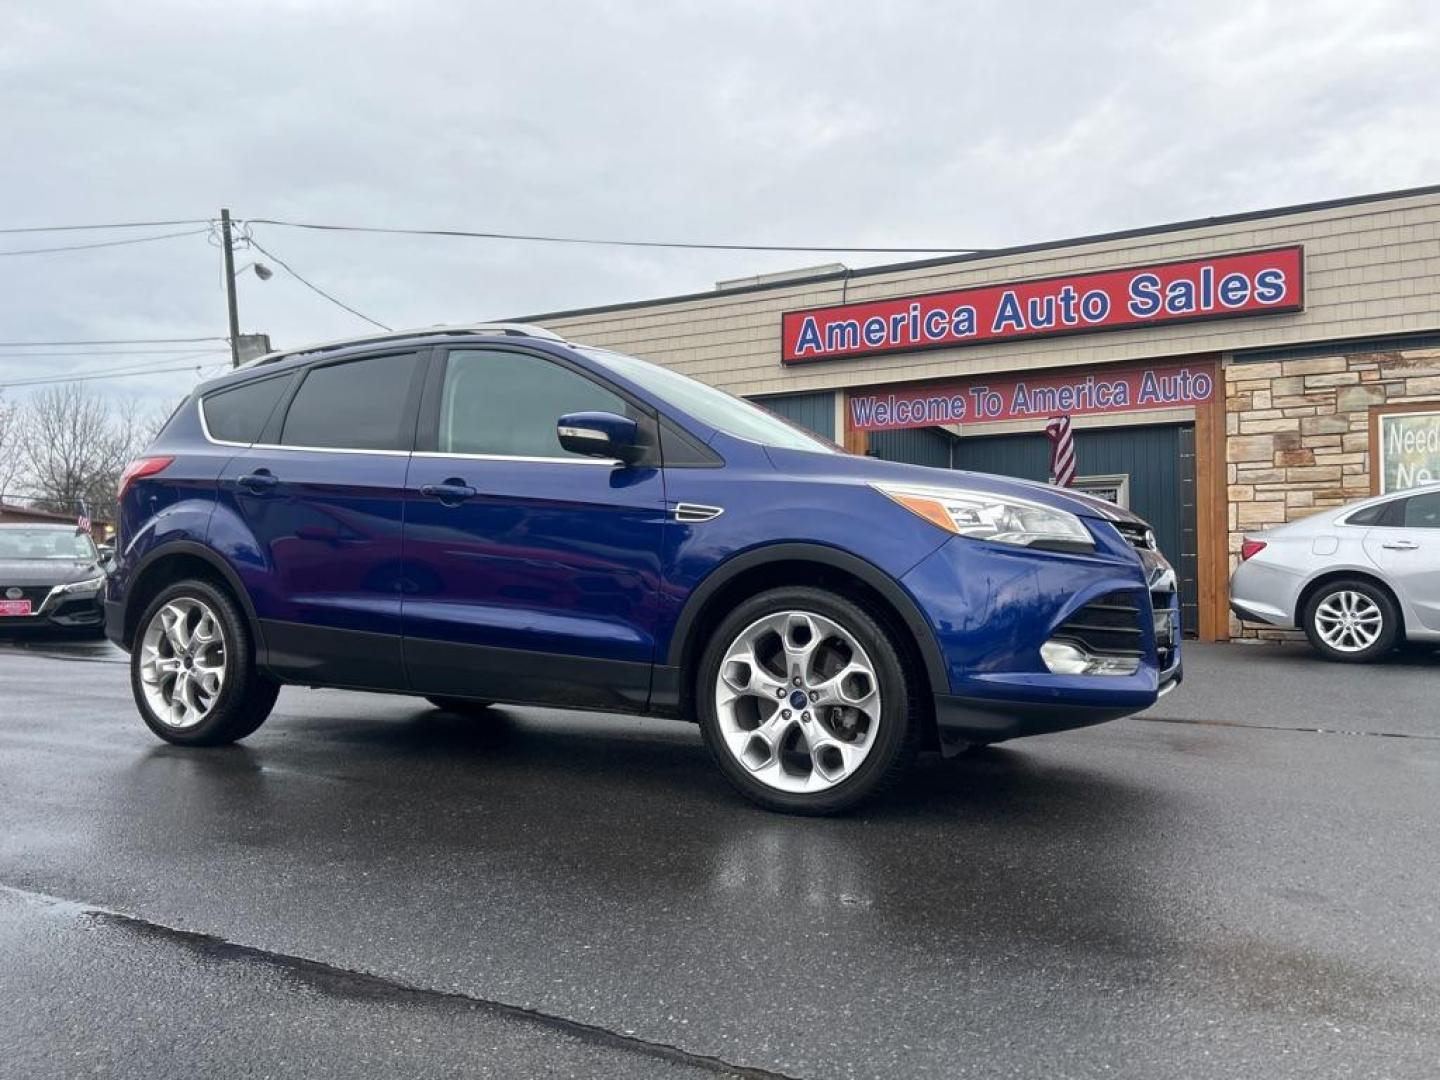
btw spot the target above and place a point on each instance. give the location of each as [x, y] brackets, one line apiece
[1358, 579]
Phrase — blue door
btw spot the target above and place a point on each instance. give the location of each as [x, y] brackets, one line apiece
[310, 517]
[532, 574]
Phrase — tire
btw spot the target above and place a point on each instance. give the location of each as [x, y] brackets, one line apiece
[859, 741]
[219, 642]
[1351, 621]
[460, 706]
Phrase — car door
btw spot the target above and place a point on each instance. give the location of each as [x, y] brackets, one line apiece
[311, 518]
[532, 574]
[1405, 544]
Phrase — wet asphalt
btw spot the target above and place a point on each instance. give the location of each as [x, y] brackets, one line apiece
[1243, 882]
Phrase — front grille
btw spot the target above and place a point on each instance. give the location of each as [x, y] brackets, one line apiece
[1137, 534]
[1167, 628]
[1109, 626]
[34, 593]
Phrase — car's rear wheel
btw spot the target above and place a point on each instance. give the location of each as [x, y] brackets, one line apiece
[805, 703]
[192, 668]
[1351, 620]
[460, 706]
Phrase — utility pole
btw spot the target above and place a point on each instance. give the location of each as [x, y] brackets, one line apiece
[230, 301]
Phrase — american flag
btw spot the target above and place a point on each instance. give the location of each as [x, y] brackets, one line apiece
[82, 516]
[1062, 451]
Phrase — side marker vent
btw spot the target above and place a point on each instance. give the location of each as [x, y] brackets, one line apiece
[696, 512]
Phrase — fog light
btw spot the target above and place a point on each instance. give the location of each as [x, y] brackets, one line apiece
[1067, 658]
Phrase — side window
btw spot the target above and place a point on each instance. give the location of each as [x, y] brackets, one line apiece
[1371, 515]
[359, 405]
[239, 415]
[507, 403]
[1422, 511]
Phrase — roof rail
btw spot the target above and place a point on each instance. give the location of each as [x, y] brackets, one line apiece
[512, 329]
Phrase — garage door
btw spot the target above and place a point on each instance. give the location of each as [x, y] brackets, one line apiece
[814, 412]
[1157, 463]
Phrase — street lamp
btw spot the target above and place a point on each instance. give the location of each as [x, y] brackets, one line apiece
[263, 272]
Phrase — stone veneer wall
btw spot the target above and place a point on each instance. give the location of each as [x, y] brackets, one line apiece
[1297, 436]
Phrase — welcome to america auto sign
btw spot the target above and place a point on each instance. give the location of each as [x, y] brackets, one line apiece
[1225, 286]
[990, 399]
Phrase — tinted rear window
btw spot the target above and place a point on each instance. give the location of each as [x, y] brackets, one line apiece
[239, 415]
[360, 405]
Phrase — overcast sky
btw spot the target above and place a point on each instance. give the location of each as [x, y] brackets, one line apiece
[827, 122]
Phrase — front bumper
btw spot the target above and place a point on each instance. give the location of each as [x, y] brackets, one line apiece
[60, 612]
[965, 721]
[992, 608]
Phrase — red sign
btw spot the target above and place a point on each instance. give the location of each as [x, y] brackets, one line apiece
[1226, 286]
[1018, 397]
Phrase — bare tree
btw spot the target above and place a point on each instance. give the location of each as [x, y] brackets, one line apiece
[75, 445]
[11, 458]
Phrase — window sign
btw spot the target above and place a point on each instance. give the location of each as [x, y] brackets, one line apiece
[1114, 487]
[1409, 450]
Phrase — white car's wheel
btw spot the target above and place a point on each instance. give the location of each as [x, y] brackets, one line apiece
[1351, 620]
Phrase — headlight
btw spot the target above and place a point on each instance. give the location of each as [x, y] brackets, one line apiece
[1003, 519]
[89, 585]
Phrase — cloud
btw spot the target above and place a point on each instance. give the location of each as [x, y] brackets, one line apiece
[805, 122]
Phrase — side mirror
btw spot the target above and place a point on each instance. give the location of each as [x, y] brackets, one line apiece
[600, 434]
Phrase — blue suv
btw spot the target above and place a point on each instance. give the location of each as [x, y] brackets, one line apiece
[493, 514]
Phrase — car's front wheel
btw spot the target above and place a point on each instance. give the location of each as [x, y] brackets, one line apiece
[804, 702]
[1351, 620]
[192, 668]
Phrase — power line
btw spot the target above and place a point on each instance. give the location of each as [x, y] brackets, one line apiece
[27, 383]
[535, 238]
[315, 288]
[122, 367]
[112, 225]
[103, 243]
[111, 341]
[527, 237]
[71, 354]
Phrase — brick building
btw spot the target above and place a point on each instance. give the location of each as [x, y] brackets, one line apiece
[1222, 375]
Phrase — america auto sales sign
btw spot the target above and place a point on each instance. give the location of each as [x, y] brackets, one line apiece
[1224, 286]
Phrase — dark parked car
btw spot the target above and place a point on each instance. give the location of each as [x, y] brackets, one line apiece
[50, 577]
[493, 514]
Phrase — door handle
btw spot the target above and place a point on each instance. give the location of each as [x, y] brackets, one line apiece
[451, 492]
[258, 481]
[1400, 545]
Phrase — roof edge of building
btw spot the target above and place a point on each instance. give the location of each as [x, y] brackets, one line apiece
[993, 253]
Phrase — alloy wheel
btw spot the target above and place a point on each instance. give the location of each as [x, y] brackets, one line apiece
[1349, 621]
[183, 662]
[798, 701]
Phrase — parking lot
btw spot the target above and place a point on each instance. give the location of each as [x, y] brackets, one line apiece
[1241, 882]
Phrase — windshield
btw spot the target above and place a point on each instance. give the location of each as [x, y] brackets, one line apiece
[726, 412]
[45, 542]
